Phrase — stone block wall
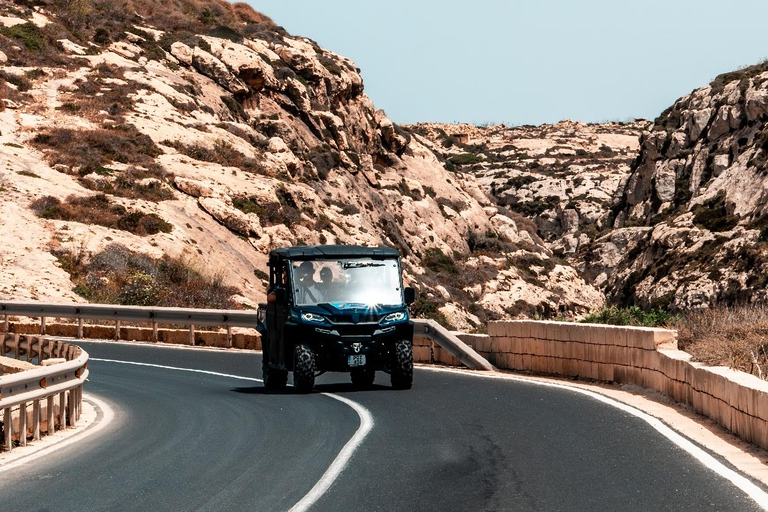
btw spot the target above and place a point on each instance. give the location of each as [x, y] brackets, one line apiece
[241, 338]
[631, 355]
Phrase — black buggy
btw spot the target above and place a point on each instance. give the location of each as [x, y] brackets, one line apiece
[338, 308]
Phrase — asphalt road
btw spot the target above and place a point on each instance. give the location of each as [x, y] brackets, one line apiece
[193, 441]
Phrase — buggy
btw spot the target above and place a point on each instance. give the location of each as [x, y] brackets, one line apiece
[336, 308]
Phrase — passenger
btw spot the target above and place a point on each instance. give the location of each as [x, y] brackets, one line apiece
[327, 285]
[307, 291]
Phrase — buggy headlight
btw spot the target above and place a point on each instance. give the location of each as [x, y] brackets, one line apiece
[312, 317]
[394, 317]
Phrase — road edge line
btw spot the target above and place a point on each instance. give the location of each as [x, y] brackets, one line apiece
[758, 495]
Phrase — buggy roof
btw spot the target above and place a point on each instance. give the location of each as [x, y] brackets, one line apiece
[313, 252]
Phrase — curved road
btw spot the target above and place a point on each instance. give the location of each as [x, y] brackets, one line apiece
[185, 440]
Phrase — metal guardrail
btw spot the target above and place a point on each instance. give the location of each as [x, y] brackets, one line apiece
[45, 383]
[152, 315]
[451, 343]
[225, 318]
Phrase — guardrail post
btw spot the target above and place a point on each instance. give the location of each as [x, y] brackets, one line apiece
[51, 416]
[42, 325]
[71, 408]
[229, 336]
[191, 334]
[62, 410]
[79, 327]
[154, 331]
[5, 323]
[36, 420]
[117, 330]
[8, 425]
[23, 424]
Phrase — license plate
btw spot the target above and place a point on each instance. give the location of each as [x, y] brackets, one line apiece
[358, 360]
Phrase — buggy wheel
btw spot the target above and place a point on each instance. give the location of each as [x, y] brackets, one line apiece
[402, 365]
[363, 377]
[303, 368]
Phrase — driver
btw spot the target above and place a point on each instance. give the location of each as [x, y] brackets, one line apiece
[306, 287]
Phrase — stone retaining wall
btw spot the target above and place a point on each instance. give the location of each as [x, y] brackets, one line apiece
[244, 340]
[631, 355]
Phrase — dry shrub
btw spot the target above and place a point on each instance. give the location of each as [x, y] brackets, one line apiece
[117, 275]
[101, 211]
[95, 99]
[134, 183]
[735, 336]
[221, 153]
[94, 148]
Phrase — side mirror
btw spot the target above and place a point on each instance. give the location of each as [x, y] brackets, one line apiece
[409, 294]
[281, 296]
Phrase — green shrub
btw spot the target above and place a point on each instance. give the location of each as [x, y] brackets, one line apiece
[713, 215]
[437, 261]
[427, 308]
[632, 315]
[465, 159]
[28, 34]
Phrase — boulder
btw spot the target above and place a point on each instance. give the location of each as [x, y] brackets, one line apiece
[182, 52]
[214, 69]
[230, 217]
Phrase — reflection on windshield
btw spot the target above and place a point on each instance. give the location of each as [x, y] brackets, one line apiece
[351, 281]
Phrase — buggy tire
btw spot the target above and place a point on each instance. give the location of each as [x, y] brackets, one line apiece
[303, 368]
[401, 374]
[275, 380]
[363, 378]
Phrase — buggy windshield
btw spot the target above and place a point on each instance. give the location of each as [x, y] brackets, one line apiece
[347, 281]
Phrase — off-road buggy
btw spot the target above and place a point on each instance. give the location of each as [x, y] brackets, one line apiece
[336, 308]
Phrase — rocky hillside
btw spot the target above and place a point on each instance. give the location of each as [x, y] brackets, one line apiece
[566, 177]
[150, 150]
[691, 225]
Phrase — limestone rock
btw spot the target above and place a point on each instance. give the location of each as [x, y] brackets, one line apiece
[182, 52]
[232, 218]
[213, 68]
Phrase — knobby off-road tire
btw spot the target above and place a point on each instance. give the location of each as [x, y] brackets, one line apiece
[303, 369]
[402, 365]
[363, 377]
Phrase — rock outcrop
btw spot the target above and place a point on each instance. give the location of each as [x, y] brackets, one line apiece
[691, 220]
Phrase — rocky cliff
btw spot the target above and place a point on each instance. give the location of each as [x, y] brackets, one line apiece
[148, 143]
[690, 225]
[565, 177]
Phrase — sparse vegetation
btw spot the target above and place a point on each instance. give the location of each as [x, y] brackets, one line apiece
[465, 159]
[632, 315]
[736, 336]
[221, 153]
[101, 211]
[713, 215]
[283, 211]
[117, 275]
[437, 261]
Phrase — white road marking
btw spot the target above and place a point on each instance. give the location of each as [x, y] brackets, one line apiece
[740, 481]
[108, 416]
[339, 463]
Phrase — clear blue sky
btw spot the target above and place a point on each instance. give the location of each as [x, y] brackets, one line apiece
[533, 61]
